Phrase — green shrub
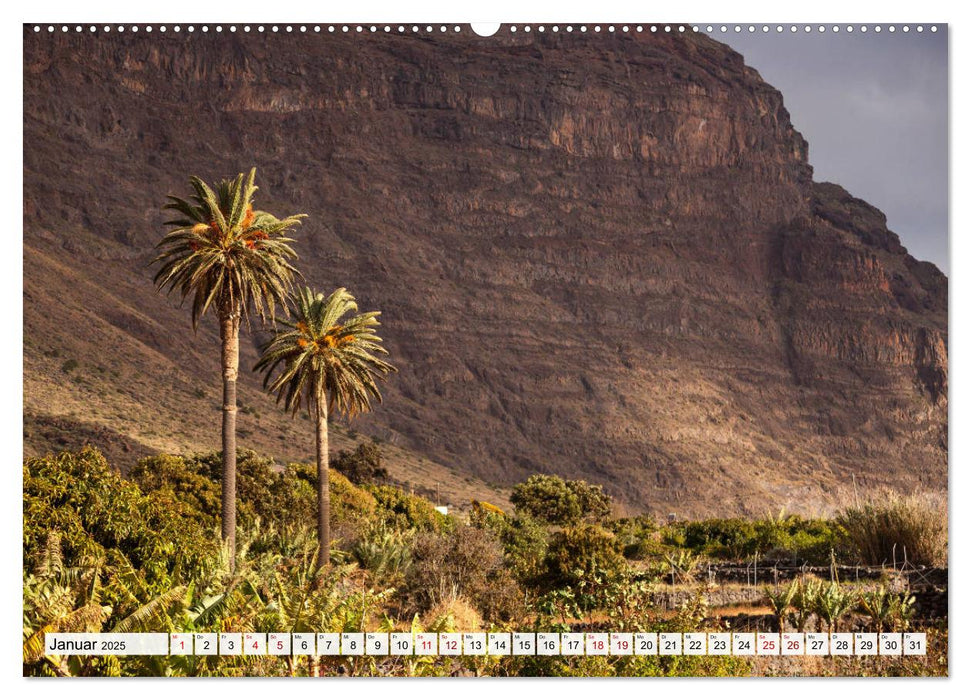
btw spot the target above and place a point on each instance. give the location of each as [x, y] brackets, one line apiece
[553, 500]
[784, 537]
[259, 489]
[731, 537]
[892, 527]
[184, 481]
[143, 544]
[636, 535]
[643, 550]
[673, 535]
[815, 541]
[525, 543]
[584, 558]
[280, 499]
[352, 508]
[406, 511]
[363, 465]
[347, 501]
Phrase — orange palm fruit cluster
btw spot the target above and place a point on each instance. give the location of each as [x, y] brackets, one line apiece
[248, 218]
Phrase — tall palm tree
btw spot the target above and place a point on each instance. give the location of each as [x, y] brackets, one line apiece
[230, 258]
[325, 362]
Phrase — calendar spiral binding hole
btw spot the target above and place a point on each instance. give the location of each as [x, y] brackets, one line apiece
[512, 29]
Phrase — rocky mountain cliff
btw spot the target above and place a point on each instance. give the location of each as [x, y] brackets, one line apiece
[598, 256]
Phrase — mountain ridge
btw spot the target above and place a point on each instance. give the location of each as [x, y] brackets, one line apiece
[604, 258]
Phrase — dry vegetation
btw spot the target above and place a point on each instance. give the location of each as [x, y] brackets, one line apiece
[893, 529]
[141, 553]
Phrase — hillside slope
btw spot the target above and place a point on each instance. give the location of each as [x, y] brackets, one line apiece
[602, 257]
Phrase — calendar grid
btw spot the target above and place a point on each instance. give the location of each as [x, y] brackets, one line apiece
[792, 644]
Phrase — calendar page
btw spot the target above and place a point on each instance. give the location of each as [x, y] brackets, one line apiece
[471, 350]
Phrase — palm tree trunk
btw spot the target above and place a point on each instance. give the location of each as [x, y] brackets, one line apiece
[323, 486]
[229, 336]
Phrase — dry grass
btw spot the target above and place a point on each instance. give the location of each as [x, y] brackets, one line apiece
[457, 615]
[893, 528]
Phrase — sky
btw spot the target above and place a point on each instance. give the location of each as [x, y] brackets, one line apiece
[874, 108]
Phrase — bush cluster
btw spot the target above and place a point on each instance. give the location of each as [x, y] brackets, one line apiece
[559, 502]
[140, 544]
[362, 465]
[791, 537]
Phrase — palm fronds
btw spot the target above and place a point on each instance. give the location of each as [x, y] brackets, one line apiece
[154, 613]
[325, 355]
[224, 252]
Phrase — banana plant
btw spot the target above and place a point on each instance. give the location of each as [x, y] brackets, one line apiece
[880, 606]
[832, 604]
[780, 599]
[803, 602]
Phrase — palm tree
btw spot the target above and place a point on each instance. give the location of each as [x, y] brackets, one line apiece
[325, 362]
[230, 258]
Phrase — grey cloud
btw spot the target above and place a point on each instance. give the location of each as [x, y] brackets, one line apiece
[874, 108]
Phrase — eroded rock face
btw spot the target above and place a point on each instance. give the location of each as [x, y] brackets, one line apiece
[603, 257]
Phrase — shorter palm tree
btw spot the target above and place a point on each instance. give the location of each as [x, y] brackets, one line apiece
[325, 359]
[885, 609]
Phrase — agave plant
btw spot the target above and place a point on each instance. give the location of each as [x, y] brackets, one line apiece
[385, 554]
[232, 258]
